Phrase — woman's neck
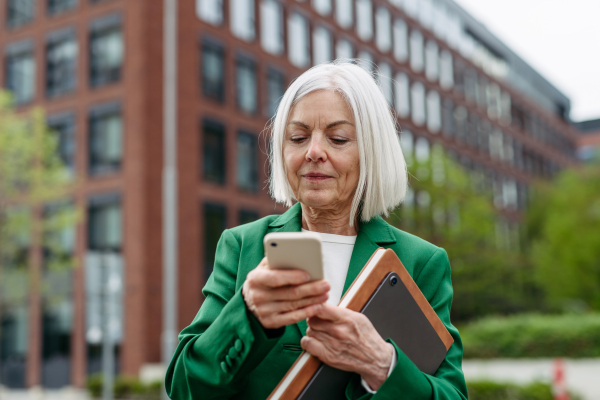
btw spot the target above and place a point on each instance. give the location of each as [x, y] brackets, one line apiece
[328, 221]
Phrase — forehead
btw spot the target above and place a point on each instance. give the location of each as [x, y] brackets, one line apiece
[327, 104]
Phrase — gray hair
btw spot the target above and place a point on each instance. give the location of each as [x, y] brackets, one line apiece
[383, 179]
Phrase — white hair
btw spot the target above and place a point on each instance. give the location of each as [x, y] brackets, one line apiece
[383, 178]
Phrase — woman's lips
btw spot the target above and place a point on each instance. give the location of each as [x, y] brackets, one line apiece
[316, 177]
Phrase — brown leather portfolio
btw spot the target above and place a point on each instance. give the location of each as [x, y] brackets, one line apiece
[385, 292]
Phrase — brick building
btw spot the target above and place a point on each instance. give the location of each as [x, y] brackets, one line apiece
[96, 67]
[588, 142]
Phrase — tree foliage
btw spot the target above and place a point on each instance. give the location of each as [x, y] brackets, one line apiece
[452, 209]
[564, 230]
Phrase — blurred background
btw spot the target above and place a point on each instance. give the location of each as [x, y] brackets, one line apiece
[113, 176]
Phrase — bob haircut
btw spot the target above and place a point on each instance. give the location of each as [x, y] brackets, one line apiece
[383, 178]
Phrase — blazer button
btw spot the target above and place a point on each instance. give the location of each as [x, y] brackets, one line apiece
[233, 352]
[224, 366]
[238, 345]
[228, 360]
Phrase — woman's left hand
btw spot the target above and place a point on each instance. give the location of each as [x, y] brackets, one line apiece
[347, 340]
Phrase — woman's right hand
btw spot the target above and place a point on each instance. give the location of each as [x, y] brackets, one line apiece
[280, 297]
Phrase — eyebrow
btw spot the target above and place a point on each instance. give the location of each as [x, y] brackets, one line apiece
[331, 125]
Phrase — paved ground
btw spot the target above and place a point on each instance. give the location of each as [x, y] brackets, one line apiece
[582, 376]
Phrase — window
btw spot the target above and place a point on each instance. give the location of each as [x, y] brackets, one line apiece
[213, 70]
[343, 13]
[246, 84]
[106, 51]
[431, 61]
[446, 70]
[298, 43]
[247, 216]
[57, 304]
[20, 71]
[63, 126]
[271, 23]
[385, 82]
[247, 161]
[343, 49]
[493, 100]
[505, 107]
[364, 19]
[61, 62]
[434, 112]
[275, 90]
[402, 95]
[417, 93]
[383, 29]
[422, 150]
[448, 117]
[103, 264]
[322, 7]
[426, 13]
[365, 61]
[416, 51]
[105, 139]
[407, 144]
[215, 222]
[242, 19]
[322, 51]
[210, 11]
[400, 32]
[412, 8]
[214, 151]
[59, 6]
[440, 22]
[19, 12]
[496, 145]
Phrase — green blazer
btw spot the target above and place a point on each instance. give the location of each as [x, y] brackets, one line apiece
[226, 354]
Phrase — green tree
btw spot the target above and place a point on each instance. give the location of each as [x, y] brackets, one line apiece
[564, 230]
[33, 185]
[453, 209]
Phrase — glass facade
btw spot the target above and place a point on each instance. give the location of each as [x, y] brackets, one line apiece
[20, 71]
[106, 51]
[105, 138]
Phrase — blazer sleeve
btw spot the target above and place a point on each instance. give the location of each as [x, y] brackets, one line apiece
[224, 342]
[406, 380]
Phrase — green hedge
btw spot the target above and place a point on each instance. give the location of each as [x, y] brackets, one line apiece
[487, 390]
[126, 388]
[532, 335]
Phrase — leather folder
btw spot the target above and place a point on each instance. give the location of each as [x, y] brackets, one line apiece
[386, 293]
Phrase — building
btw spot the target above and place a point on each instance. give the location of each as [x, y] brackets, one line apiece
[588, 142]
[96, 67]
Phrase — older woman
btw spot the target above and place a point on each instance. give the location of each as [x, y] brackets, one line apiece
[335, 153]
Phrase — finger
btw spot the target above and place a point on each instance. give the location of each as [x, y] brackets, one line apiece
[320, 324]
[296, 316]
[301, 291]
[275, 278]
[315, 347]
[281, 307]
[332, 313]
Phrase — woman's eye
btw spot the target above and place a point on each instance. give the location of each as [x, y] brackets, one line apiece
[339, 141]
[297, 139]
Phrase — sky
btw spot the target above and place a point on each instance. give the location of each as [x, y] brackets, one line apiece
[558, 38]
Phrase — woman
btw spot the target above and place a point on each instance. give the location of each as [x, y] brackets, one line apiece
[334, 150]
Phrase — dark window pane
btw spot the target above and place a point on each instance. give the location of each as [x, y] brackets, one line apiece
[215, 220]
[106, 51]
[104, 223]
[247, 216]
[247, 161]
[20, 76]
[214, 152]
[213, 71]
[59, 6]
[13, 342]
[105, 139]
[61, 61]
[19, 12]
[63, 126]
[246, 85]
[275, 90]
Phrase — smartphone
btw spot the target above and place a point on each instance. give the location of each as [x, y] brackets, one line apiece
[295, 250]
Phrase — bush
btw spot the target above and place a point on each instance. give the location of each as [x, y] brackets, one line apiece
[531, 335]
[126, 388]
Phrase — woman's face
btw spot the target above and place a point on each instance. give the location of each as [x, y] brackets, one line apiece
[320, 151]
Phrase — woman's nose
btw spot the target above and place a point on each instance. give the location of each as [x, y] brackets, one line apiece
[316, 151]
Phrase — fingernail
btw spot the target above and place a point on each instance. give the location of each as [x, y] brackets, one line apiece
[306, 277]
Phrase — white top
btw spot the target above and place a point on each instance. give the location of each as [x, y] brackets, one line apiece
[337, 251]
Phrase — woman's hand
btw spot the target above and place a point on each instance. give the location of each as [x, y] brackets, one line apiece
[279, 297]
[347, 340]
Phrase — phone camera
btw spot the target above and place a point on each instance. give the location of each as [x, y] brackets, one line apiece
[273, 244]
[394, 280]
